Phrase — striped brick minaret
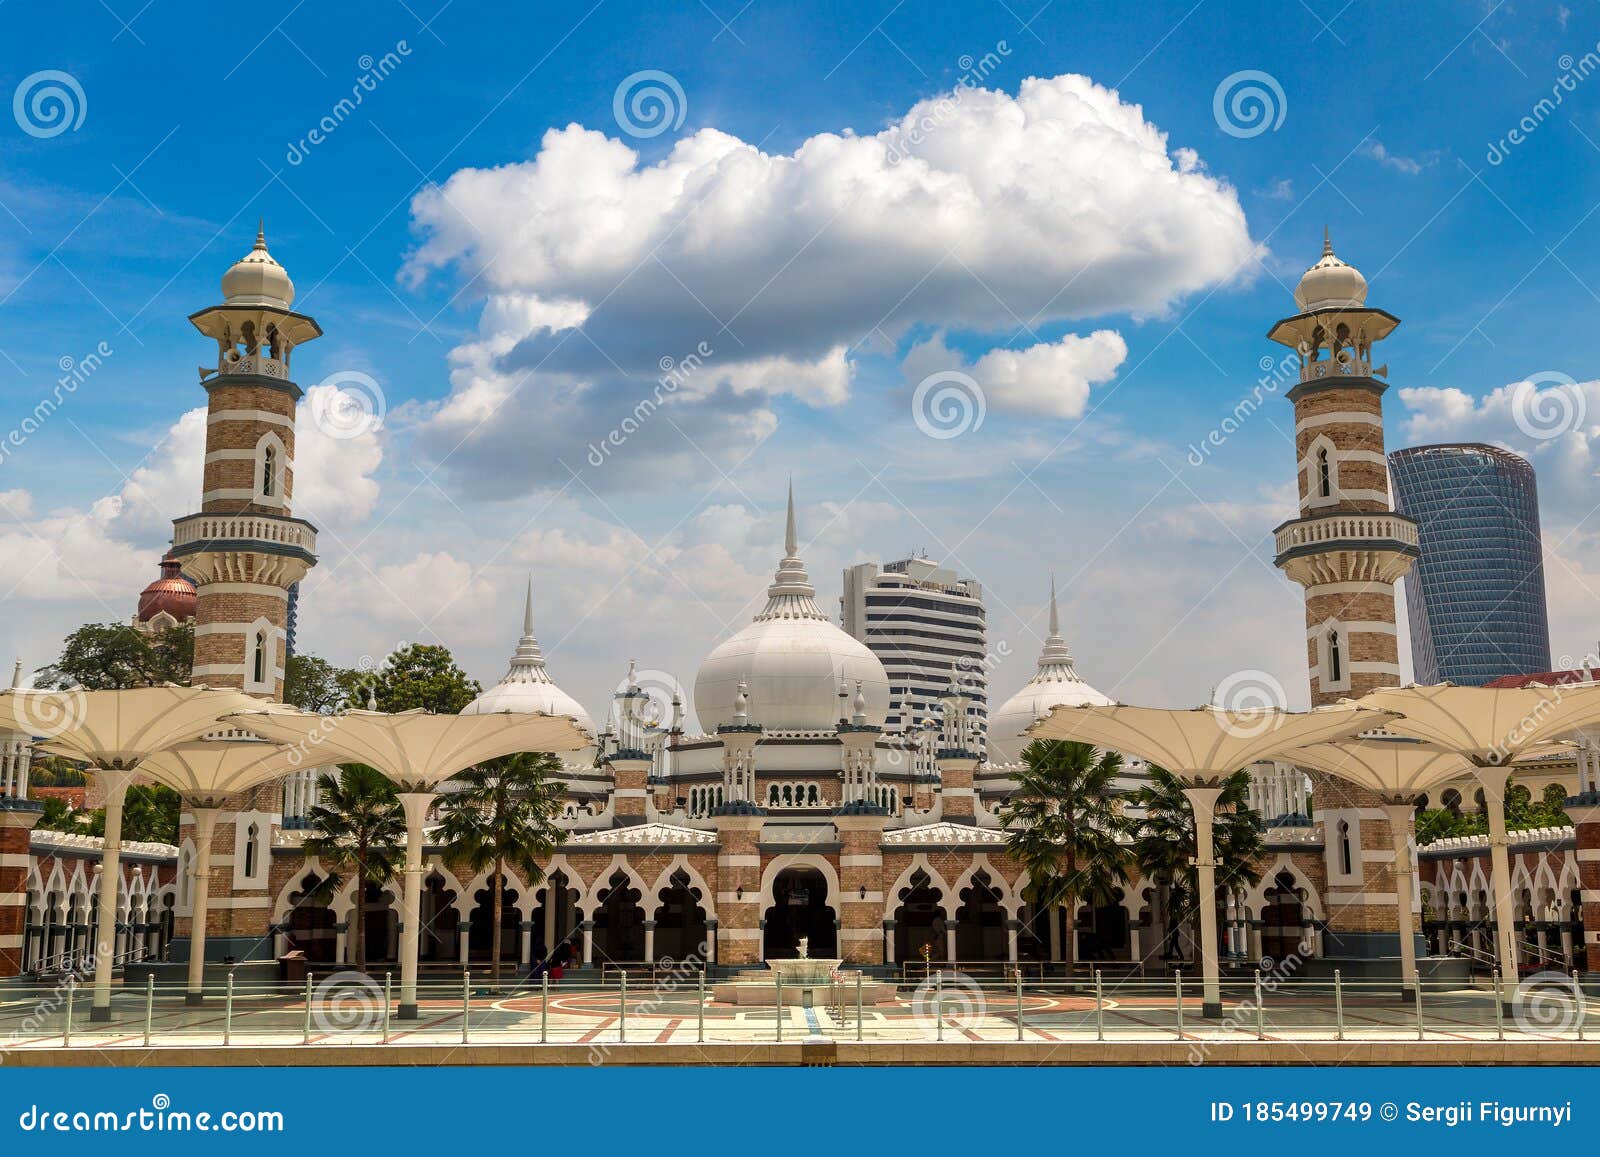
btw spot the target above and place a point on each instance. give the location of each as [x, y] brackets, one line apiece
[1347, 549]
[244, 550]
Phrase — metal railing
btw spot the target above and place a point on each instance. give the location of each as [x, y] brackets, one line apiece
[342, 1009]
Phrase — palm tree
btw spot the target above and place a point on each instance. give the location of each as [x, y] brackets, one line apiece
[1164, 842]
[357, 824]
[504, 815]
[1062, 825]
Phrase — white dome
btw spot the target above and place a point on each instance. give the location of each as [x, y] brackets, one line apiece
[527, 687]
[258, 279]
[1055, 684]
[1330, 282]
[791, 660]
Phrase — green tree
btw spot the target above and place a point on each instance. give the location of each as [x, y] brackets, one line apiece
[149, 815]
[115, 656]
[1164, 843]
[312, 684]
[416, 675]
[1062, 825]
[56, 771]
[504, 815]
[357, 826]
[58, 816]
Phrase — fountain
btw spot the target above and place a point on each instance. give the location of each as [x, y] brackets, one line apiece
[794, 981]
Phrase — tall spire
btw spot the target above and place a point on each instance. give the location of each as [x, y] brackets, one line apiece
[527, 662]
[16, 676]
[791, 595]
[1327, 242]
[791, 540]
[1055, 660]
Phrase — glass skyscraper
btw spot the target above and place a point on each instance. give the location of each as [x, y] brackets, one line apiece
[1476, 597]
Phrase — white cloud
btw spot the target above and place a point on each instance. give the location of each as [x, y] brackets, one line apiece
[1050, 378]
[973, 210]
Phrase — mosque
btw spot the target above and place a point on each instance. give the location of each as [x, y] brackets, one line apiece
[796, 814]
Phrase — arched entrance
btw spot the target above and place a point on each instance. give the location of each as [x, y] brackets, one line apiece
[681, 921]
[310, 927]
[441, 925]
[799, 908]
[480, 929]
[556, 917]
[1282, 919]
[981, 921]
[919, 921]
[619, 922]
[1103, 932]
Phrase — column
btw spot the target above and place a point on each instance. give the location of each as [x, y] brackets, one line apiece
[416, 805]
[1133, 943]
[464, 941]
[649, 941]
[1400, 820]
[588, 942]
[711, 942]
[1203, 800]
[205, 824]
[1493, 781]
[888, 941]
[525, 952]
[1052, 917]
[115, 785]
[1013, 930]
[551, 899]
[341, 942]
[950, 940]
[17, 818]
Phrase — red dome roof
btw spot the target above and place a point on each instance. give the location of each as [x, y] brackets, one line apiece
[171, 593]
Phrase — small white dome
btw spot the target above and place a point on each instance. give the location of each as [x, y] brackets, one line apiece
[1055, 684]
[791, 660]
[527, 687]
[1330, 282]
[258, 279]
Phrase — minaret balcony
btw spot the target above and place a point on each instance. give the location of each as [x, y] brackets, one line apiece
[254, 365]
[1375, 547]
[260, 533]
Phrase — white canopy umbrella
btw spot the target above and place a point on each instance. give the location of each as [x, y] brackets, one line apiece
[1202, 746]
[114, 732]
[1491, 727]
[205, 773]
[1398, 771]
[417, 750]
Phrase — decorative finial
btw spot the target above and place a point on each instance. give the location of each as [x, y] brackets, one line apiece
[741, 701]
[16, 676]
[261, 233]
[860, 713]
[527, 609]
[1327, 243]
[791, 540]
[1055, 618]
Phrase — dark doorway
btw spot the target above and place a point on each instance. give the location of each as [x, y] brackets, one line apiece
[619, 923]
[681, 921]
[919, 922]
[800, 908]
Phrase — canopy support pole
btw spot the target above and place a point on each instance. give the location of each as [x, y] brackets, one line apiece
[416, 805]
[1203, 801]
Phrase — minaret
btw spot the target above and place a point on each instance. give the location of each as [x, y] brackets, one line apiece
[1347, 549]
[244, 550]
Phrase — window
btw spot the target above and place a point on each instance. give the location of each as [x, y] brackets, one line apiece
[1345, 865]
[1324, 474]
[252, 849]
[258, 662]
[1335, 656]
[269, 472]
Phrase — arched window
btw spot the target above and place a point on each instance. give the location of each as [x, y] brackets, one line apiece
[1324, 474]
[1345, 863]
[269, 471]
[252, 849]
[258, 662]
[1335, 656]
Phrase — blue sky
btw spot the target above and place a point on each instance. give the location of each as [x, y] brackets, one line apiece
[435, 228]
